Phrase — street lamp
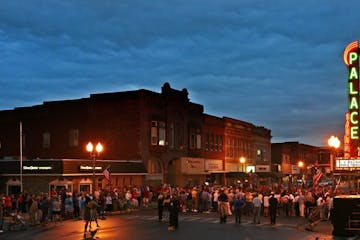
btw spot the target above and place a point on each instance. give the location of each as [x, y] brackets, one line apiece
[242, 161]
[93, 154]
[334, 143]
[301, 166]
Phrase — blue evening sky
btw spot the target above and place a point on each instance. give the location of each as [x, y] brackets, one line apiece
[276, 64]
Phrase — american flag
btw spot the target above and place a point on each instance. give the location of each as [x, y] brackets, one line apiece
[106, 174]
[317, 176]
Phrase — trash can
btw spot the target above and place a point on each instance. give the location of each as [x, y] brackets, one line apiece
[346, 215]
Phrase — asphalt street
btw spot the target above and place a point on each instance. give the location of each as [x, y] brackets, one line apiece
[144, 225]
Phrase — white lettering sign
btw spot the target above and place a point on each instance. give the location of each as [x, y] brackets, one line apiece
[32, 168]
[192, 165]
[90, 168]
[348, 163]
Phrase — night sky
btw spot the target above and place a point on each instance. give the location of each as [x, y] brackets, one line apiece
[276, 64]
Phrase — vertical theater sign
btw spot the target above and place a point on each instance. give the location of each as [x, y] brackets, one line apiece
[351, 138]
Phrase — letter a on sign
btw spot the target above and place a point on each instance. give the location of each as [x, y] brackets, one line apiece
[353, 73]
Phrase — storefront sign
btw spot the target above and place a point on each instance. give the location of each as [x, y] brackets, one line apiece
[33, 168]
[232, 167]
[262, 168]
[351, 59]
[192, 165]
[88, 168]
[213, 165]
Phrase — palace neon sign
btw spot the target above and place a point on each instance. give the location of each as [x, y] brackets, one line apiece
[351, 59]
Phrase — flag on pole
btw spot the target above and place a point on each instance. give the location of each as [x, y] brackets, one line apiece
[317, 177]
[106, 173]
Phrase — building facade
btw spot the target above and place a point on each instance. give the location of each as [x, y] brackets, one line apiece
[286, 157]
[174, 140]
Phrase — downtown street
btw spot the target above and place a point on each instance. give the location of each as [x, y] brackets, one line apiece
[144, 224]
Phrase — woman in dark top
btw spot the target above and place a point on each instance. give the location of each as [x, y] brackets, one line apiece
[223, 206]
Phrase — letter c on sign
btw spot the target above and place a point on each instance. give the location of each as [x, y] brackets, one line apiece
[352, 120]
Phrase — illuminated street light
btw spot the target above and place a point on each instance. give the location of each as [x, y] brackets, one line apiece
[300, 164]
[334, 142]
[301, 167]
[93, 154]
[242, 161]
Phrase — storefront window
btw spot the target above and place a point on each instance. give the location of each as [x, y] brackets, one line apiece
[84, 188]
[59, 184]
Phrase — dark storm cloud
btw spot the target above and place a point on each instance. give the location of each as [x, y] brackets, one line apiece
[276, 64]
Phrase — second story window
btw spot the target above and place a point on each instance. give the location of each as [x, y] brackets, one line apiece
[158, 133]
[171, 135]
[220, 143]
[162, 134]
[192, 140]
[198, 139]
[207, 139]
[195, 138]
[154, 133]
[74, 138]
[46, 140]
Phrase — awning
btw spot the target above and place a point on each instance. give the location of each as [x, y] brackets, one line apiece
[236, 175]
[71, 167]
[269, 174]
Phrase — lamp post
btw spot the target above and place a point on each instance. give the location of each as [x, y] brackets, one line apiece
[242, 162]
[334, 143]
[93, 154]
[301, 166]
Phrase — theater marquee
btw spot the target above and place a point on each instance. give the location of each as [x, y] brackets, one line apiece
[347, 164]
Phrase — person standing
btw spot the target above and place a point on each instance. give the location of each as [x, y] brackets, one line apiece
[301, 201]
[56, 210]
[257, 209]
[215, 200]
[273, 205]
[223, 202]
[44, 206]
[75, 202]
[32, 211]
[87, 213]
[238, 205]
[160, 206]
[174, 212]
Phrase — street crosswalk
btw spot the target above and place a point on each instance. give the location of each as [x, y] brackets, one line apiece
[210, 220]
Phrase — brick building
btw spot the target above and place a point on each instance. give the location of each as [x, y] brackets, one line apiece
[287, 155]
[166, 136]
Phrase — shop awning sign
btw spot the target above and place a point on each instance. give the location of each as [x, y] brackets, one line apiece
[35, 168]
[90, 168]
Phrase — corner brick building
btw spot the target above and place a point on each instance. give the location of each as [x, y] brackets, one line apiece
[148, 138]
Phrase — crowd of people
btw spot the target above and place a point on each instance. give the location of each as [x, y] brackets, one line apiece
[243, 199]
[54, 206]
[256, 202]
